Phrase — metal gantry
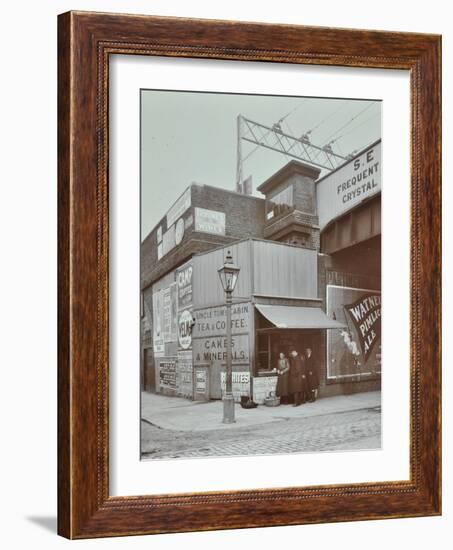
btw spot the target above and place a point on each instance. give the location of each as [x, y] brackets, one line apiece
[276, 139]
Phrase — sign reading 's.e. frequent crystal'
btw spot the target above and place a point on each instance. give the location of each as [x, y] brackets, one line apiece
[346, 187]
[209, 221]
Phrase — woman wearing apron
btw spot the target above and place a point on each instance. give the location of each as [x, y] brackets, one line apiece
[283, 378]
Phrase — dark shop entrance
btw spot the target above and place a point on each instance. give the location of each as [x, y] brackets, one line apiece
[272, 342]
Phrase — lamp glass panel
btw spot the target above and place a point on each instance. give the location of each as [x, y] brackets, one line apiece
[234, 279]
[229, 280]
[222, 278]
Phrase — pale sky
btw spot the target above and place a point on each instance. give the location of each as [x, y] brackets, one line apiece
[192, 137]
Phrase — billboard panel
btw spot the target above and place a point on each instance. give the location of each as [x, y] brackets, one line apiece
[356, 351]
[158, 324]
[179, 207]
[184, 275]
[209, 221]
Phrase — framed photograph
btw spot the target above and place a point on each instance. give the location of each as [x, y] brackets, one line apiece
[249, 275]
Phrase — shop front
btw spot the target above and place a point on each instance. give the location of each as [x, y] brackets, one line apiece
[283, 329]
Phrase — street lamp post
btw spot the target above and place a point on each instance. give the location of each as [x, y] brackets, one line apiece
[228, 274]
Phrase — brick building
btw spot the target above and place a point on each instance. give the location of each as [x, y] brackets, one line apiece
[309, 253]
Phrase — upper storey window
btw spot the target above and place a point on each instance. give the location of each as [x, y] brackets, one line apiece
[280, 202]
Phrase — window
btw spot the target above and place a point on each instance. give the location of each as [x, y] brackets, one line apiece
[280, 203]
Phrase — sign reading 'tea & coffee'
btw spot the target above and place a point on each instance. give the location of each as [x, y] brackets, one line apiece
[209, 337]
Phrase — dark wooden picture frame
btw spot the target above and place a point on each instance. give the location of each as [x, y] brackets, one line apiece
[85, 42]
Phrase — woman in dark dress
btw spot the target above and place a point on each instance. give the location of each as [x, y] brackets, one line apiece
[313, 376]
[283, 378]
[297, 379]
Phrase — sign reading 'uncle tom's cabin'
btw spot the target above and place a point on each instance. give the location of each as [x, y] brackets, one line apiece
[209, 334]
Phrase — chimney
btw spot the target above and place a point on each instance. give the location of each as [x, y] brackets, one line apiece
[247, 186]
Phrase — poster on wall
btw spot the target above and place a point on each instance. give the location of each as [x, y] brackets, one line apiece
[365, 315]
[185, 369]
[167, 375]
[184, 299]
[173, 313]
[263, 387]
[158, 324]
[240, 384]
[185, 329]
[184, 285]
[166, 308]
[354, 352]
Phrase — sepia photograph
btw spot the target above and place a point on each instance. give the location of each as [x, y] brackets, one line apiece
[260, 274]
[225, 248]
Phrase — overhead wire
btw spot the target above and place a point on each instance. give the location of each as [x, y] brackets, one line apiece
[354, 128]
[327, 140]
[362, 148]
[292, 111]
[328, 117]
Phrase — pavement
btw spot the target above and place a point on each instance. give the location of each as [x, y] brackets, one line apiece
[177, 413]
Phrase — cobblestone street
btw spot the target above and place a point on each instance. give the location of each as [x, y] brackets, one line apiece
[348, 430]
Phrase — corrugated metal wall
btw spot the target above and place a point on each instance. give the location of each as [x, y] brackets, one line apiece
[207, 289]
[277, 270]
[282, 270]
